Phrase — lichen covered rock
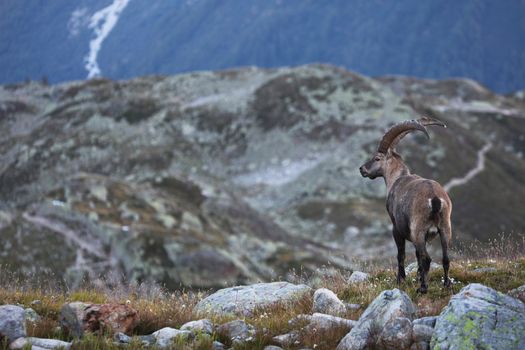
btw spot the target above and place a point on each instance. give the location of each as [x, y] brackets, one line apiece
[479, 317]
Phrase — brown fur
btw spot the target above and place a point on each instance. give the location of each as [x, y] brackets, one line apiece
[415, 205]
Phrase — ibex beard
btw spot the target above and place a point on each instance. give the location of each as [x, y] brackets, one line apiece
[419, 208]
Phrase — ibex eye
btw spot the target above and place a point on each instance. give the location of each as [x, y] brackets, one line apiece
[377, 159]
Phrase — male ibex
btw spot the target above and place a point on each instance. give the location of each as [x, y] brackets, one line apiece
[416, 206]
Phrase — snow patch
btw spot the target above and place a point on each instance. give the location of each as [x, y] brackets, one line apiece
[102, 22]
[78, 20]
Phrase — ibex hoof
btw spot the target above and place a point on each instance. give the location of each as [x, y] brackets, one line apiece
[447, 283]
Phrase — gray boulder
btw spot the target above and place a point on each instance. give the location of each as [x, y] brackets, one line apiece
[198, 327]
[166, 336]
[479, 317]
[357, 277]
[326, 302]
[328, 323]
[287, 340]
[12, 322]
[238, 331]
[272, 347]
[380, 315]
[244, 300]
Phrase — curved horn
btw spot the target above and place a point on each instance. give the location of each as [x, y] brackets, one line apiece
[425, 121]
[400, 129]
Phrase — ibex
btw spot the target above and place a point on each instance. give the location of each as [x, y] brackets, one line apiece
[418, 207]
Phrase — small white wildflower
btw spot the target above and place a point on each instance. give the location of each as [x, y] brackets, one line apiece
[128, 301]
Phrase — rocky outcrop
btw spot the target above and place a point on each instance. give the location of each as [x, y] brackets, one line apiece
[385, 323]
[77, 318]
[480, 317]
[244, 300]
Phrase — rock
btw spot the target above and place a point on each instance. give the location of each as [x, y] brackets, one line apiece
[217, 345]
[326, 302]
[39, 343]
[122, 338]
[352, 307]
[272, 347]
[78, 317]
[429, 321]
[287, 340]
[31, 315]
[237, 331]
[36, 302]
[72, 316]
[326, 323]
[166, 336]
[49, 343]
[421, 332]
[147, 340]
[380, 315]
[201, 326]
[357, 277]
[518, 293]
[12, 322]
[422, 345]
[243, 300]
[480, 317]
[397, 334]
[485, 269]
[412, 267]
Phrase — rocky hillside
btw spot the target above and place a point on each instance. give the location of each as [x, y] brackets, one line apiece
[214, 178]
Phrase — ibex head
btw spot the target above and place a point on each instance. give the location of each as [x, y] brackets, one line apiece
[386, 157]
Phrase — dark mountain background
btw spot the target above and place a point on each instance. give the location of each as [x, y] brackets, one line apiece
[481, 40]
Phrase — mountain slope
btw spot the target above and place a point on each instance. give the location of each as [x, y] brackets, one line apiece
[235, 176]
